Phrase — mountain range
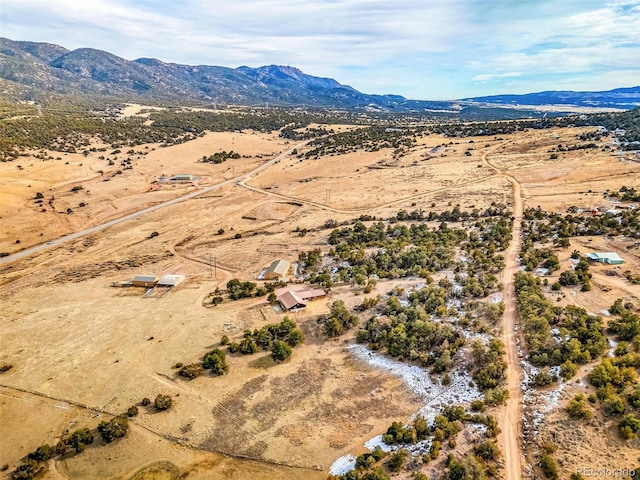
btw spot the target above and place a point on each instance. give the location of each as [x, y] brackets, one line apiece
[33, 71]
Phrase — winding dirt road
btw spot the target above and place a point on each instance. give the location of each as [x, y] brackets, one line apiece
[197, 193]
[511, 421]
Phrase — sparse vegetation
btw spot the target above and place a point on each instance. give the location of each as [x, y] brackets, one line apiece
[116, 428]
[163, 402]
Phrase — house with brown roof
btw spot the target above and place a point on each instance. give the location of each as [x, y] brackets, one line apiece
[290, 301]
[293, 298]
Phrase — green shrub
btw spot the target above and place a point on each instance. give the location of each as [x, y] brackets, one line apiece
[42, 453]
[163, 402]
[487, 450]
[577, 408]
[191, 371]
[280, 351]
[548, 466]
[496, 396]
[397, 460]
[477, 406]
[28, 470]
[79, 439]
[216, 361]
[568, 370]
[115, 428]
[248, 346]
[629, 426]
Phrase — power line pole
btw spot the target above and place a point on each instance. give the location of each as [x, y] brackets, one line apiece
[215, 267]
[210, 270]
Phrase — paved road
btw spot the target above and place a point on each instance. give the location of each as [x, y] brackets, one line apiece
[82, 233]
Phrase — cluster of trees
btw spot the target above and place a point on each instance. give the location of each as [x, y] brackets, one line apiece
[581, 336]
[578, 408]
[628, 121]
[453, 215]
[548, 464]
[259, 120]
[578, 275]
[339, 320]
[489, 370]
[445, 427]
[279, 338]
[410, 333]
[391, 259]
[362, 473]
[477, 465]
[398, 251]
[614, 378]
[369, 139]
[238, 289]
[626, 194]
[115, 428]
[541, 226]
[34, 464]
[296, 132]
[220, 157]
[575, 146]
[73, 131]
[214, 361]
[626, 325]
[77, 441]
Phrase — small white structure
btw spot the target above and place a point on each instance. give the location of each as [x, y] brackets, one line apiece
[170, 280]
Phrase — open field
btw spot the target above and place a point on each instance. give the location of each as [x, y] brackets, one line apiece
[83, 350]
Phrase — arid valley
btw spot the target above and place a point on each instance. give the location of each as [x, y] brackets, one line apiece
[427, 245]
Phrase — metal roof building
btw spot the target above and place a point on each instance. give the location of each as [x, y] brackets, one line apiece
[144, 281]
[170, 280]
[277, 269]
[289, 301]
[293, 298]
[611, 258]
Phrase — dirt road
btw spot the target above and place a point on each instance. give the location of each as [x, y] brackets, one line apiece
[512, 418]
[511, 421]
[197, 193]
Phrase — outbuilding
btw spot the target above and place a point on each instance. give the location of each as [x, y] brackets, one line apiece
[277, 270]
[170, 280]
[144, 281]
[182, 177]
[610, 258]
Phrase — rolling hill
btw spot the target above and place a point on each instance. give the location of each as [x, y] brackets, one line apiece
[36, 71]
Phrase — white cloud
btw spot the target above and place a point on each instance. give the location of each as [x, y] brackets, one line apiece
[490, 76]
[419, 46]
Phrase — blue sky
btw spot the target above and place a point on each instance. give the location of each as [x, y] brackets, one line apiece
[421, 49]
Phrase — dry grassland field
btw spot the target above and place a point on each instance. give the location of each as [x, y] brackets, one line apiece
[83, 351]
